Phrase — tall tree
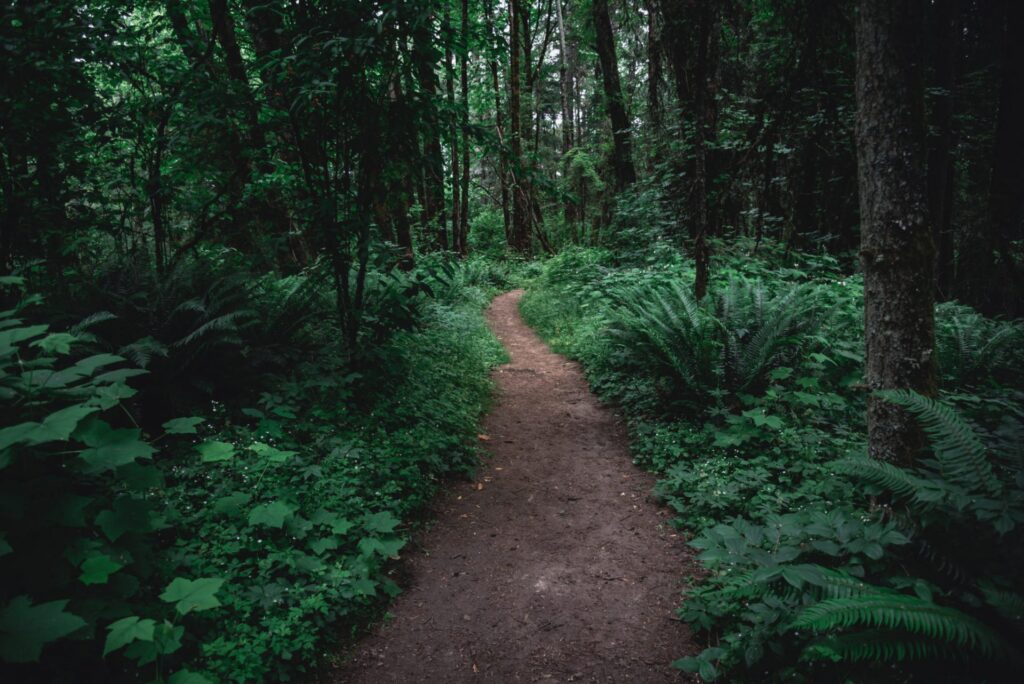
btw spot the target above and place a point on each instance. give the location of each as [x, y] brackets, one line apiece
[519, 236]
[425, 58]
[453, 127]
[464, 64]
[499, 119]
[622, 156]
[897, 252]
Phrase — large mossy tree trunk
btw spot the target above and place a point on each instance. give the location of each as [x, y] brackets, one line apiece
[897, 251]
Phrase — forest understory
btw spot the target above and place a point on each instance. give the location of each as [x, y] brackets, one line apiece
[518, 340]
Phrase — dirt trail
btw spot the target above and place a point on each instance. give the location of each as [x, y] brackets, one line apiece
[554, 565]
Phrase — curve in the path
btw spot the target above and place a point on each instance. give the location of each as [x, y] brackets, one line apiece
[554, 565]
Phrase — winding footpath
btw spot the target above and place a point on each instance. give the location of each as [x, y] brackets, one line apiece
[554, 565]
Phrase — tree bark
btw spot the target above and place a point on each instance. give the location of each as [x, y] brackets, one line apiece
[519, 236]
[433, 216]
[464, 58]
[499, 123]
[622, 156]
[897, 252]
[453, 129]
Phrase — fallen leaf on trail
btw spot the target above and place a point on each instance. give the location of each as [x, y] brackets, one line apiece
[484, 438]
[479, 486]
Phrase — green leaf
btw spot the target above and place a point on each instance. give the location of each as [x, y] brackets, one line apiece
[5, 548]
[761, 419]
[127, 515]
[188, 677]
[385, 547]
[55, 343]
[126, 630]
[192, 595]
[98, 569]
[8, 338]
[212, 452]
[273, 454]
[318, 546]
[56, 427]
[271, 515]
[25, 629]
[232, 503]
[182, 426]
[110, 448]
[383, 522]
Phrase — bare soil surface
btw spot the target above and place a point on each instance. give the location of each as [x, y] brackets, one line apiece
[554, 565]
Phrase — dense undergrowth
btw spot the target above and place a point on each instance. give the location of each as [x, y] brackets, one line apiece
[201, 483]
[821, 565]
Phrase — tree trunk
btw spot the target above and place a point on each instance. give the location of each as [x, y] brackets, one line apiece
[622, 156]
[464, 215]
[519, 236]
[433, 216]
[499, 124]
[564, 83]
[897, 252]
[453, 129]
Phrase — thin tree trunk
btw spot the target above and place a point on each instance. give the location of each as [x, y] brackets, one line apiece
[453, 129]
[499, 124]
[464, 215]
[622, 156]
[433, 217]
[897, 252]
[520, 233]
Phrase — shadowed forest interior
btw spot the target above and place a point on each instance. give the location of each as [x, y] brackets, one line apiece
[246, 249]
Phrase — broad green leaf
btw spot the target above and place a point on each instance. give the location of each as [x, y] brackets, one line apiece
[271, 515]
[273, 454]
[385, 547]
[110, 448]
[166, 639]
[341, 526]
[232, 503]
[182, 426]
[5, 548]
[8, 338]
[192, 595]
[16, 433]
[318, 546]
[58, 426]
[25, 629]
[90, 364]
[213, 451]
[98, 569]
[127, 515]
[55, 343]
[383, 522]
[364, 587]
[188, 677]
[126, 630]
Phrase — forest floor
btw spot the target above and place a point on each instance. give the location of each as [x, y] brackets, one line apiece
[554, 564]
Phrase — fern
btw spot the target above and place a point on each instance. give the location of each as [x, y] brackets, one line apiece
[959, 451]
[888, 477]
[877, 645]
[911, 614]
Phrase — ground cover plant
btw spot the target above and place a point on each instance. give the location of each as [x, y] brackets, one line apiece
[822, 563]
